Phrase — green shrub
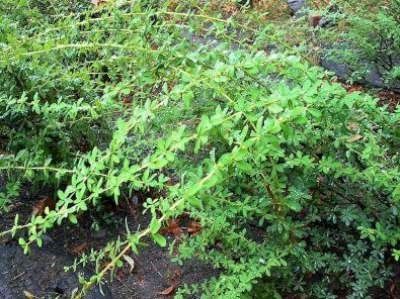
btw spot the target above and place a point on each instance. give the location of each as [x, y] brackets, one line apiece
[295, 181]
[367, 40]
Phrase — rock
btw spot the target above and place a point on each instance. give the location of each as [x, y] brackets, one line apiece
[372, 78]
[244, 2]
[341, 70]
[296, 5]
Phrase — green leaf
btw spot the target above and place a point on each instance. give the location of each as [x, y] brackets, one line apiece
[293, 205]
[155, 225]
[194, 201]
[275, 108]
[72, 218]
[188, 97]
[21, 241]
[160, 240]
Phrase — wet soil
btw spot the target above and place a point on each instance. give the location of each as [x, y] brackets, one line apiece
[41, 274]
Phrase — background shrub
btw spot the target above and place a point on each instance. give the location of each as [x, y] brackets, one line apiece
[368, 39]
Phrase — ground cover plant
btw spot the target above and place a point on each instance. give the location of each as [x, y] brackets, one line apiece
[292, 181]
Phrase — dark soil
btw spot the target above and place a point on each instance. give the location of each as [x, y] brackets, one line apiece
[389, 98]
[41, 273]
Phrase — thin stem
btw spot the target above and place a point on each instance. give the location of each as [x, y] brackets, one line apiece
[39, 168]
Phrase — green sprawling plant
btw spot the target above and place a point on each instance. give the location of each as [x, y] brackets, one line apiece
[295, 182]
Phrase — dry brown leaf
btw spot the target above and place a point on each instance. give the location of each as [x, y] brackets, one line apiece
[79, 249]
[127, 100]
[194, 227]
[314, 21]
[168, 291]
[229, 9]
[40, 206]
[353, 88]
[173, 227]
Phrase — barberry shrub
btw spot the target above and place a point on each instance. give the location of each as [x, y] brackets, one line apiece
[294, 181]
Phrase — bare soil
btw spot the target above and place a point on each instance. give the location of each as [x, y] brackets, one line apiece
[41, 272]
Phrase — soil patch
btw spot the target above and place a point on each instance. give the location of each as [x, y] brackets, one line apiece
[41, 273]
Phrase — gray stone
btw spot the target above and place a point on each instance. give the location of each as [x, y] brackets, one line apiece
[296, 5]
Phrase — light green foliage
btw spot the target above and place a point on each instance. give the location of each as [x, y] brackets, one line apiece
[294, 181]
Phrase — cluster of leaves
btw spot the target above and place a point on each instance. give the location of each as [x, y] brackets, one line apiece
[294, 181]
[369, 39]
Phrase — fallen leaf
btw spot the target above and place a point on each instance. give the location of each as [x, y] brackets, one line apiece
[127, 100]
[171, 85]
[79, 249]
[173, 227]
[168, 291]
[353, 87]
[130, 262]
[315, 20]
[389, 99]
[154, 46]
[40, 206]
[229, 9]
[194, 228]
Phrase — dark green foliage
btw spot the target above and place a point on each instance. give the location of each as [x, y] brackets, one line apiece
[295, 181]
[394, 10]
[367, 41]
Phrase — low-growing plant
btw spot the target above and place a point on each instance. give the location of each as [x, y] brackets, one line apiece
[294, 181]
